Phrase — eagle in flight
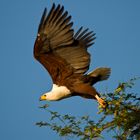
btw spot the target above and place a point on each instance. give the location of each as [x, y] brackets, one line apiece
[64, 55]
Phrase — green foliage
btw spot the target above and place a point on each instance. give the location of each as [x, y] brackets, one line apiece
[122, 116]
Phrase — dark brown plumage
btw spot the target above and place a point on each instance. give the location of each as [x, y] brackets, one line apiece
[64, 55]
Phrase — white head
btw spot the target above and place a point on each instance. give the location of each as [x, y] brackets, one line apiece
[57, 93]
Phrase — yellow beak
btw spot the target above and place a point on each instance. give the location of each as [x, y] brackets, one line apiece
[43, 97]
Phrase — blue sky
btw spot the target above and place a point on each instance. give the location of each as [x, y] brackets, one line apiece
[23, 80]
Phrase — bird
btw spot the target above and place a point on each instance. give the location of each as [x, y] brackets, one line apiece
[64, 54]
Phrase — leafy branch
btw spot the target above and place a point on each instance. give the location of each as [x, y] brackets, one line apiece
[122, 116]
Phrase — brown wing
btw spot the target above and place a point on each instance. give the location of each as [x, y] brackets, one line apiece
[54, 31]
[76, 54]
[58, 49]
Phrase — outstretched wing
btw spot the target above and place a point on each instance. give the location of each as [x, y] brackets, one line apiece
[76, 54]
[54, 32]
[58, 49]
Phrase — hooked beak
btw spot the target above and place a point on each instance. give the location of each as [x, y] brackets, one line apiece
[43, 97]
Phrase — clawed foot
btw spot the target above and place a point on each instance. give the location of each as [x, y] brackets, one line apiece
[102, 103]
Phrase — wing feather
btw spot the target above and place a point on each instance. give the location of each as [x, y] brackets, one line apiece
[84, 37]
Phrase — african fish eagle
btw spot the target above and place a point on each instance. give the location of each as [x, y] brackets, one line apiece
[64, 55]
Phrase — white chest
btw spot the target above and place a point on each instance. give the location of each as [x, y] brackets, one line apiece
[59, 92]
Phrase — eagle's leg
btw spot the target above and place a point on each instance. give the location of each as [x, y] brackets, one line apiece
[89, 92]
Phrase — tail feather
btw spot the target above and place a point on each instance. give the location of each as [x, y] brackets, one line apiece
[99, 74]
